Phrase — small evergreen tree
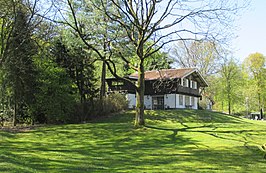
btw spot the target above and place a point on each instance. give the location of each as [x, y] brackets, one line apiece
[19, 67]
[80, 69]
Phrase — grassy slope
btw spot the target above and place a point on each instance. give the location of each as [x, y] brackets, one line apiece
[205, 142]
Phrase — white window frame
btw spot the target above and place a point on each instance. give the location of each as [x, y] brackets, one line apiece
[185, 82]
[194, 84]
[192, 101]
[181, 100]
[187, 99]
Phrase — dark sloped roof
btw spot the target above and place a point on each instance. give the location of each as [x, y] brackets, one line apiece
[171, 74]
[165, 73]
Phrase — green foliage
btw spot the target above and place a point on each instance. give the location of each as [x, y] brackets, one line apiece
[241, 84]
[70, 54]
[255, 63]
[205, 142]
[256, 68]
[19, 69]
[114, 102]
[157, 61]
[227, 88]
[55, 99]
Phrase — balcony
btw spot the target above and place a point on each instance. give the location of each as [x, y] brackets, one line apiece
[188, 91]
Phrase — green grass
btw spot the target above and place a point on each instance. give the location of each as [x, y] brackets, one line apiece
[172, 141]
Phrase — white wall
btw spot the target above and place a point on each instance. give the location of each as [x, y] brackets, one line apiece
[169, 101]
[148, 102]
[177, 101]
[131, 100]
[195, 104]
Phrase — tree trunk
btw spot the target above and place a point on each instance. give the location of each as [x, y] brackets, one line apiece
[139, 118]
[229, 104]
[103, 85]
[103, 77]
[229, 91]
[259, 99]
[15, 114]
[229, 107]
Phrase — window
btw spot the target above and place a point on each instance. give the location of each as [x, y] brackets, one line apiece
[158, 102]
[120, 83]
[187, 100]
[180, 99]
[194, 84]
[185, 82]
[192, 101]
[117, 83]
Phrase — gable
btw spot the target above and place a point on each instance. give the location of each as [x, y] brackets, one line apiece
[196, 76]
[190, 73]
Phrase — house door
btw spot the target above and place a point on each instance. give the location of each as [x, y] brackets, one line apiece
[158, 102]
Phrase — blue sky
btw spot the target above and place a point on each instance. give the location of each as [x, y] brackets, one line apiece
[251, 31]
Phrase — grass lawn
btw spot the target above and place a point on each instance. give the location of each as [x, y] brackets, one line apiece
[172, 141]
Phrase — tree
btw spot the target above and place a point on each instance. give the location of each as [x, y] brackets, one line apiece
[55, 97]
[157, 61]
[207, 56]
[162, 22]
[230, 73]
[79, 66]
[6, 27]
[147, 23]
[18, 24]
[255, 63]
[18, 64]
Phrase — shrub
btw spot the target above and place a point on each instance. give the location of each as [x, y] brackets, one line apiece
[202, 105]
[114, 102]
[55, 98]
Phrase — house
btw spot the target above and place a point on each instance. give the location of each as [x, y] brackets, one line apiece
[164, 89]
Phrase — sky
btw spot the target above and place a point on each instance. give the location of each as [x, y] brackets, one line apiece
[251, 31]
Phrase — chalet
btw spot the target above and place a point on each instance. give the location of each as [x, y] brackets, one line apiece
[164, 89]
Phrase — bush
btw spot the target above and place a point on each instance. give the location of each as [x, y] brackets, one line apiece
[114, 102]
[240, 113]
[202, 105]
[55, 97]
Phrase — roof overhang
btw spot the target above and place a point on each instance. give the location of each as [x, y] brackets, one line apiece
[205, 84]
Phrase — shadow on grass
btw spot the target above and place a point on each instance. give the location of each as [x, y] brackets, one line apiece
[180, 116]
[101, 148]
[112, 144]
[189, 115]
[6, 134]
[83, 148]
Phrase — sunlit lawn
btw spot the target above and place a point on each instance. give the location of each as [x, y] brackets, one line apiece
[172, 141]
